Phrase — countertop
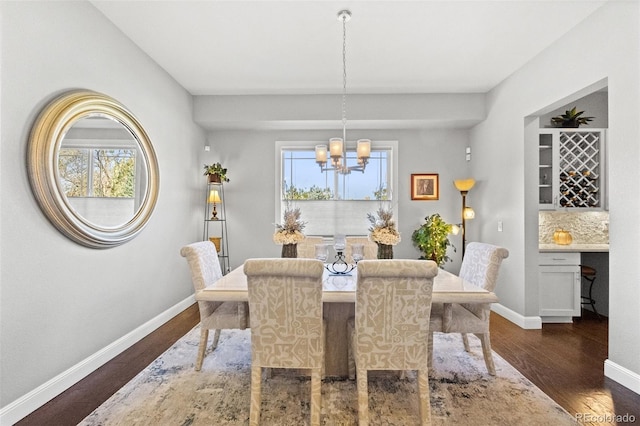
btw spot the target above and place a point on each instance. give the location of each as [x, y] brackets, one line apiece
[574, 248]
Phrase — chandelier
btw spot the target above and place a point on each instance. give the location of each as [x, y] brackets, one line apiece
[338, 146]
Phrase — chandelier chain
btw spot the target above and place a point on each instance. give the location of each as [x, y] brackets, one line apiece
[344, 74]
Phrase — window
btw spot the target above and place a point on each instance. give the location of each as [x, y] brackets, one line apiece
[331, 202]
[97, 172]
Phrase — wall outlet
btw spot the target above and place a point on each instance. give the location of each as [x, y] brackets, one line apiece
[499, 226]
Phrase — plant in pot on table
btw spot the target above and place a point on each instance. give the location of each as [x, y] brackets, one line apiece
[289, 233]
[216, 173]
[432, 239]
[383, 232]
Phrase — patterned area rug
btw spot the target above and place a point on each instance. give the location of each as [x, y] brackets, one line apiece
[170, 392]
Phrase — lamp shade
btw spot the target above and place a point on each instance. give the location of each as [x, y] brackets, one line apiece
[335, 148]
[468, 213]
[214, 197]
[464, 184]
[321, 153]
[364, 148]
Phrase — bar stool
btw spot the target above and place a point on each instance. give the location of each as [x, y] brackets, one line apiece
[589, 274]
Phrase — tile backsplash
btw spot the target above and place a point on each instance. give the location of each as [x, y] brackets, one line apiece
[585, 227]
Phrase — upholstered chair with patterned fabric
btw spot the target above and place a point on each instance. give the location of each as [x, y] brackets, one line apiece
[285, 299]
[370, 248]
[205, 270]
[480, 267]
[307, 247]
[390, 330]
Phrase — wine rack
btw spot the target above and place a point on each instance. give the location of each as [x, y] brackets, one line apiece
[579, 167]
[571, 168]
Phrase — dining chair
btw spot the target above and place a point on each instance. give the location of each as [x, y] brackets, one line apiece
[285, 300]
[370, 248]
[390, 329]
[205, 270]
[307, 247]
[480, 266]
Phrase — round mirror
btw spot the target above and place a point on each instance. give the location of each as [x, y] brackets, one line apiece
[93, 169]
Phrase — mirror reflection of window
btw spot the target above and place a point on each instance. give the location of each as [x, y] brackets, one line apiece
[97, 171]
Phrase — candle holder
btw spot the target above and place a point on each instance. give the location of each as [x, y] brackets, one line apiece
[340, 266]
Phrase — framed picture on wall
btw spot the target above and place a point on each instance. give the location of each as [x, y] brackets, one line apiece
[425, 186]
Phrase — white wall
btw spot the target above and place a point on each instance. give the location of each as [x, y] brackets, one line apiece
[62, 302]
[604, 46]
[250, 157]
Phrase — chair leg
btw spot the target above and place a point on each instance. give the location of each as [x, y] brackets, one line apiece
[423, 393]
[351, 362]
[363, 397]
[316, 396]
[256, 397]
[204, 336]
[486, 351]
[430, 351]
[465, 342]
[216, 337]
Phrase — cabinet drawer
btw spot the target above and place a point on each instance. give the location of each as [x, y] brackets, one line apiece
[559, 258]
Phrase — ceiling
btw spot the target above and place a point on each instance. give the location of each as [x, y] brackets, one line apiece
[295, 47]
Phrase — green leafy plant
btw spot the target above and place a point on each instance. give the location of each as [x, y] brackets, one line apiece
[216, 169]
[571, 118]
[432, 239]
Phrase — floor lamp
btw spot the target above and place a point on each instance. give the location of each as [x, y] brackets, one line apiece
[464, 185]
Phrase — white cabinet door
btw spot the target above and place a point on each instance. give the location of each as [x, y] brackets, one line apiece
[559, 289]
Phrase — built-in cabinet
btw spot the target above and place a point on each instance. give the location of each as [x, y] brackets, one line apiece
[215, 223]
[571, 169]
[559, 286]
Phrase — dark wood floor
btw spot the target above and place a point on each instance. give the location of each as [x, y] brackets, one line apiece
[564, 360]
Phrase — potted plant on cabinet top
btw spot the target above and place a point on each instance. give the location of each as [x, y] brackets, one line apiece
[571, 118]
[216, 173]
[432, 239]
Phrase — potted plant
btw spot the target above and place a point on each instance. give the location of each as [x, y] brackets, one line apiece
[432, 239]
[289, 233]
[216, 173]
[571, 118]
[383, 231]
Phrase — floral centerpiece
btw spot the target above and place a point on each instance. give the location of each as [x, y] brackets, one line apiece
[383, 232]
[289, 233]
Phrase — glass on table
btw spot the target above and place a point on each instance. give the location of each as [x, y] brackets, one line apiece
[357, 252]
[322, 252]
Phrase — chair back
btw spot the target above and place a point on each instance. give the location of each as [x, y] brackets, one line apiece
[370, 248]
[285, 301]
[307, 247]
[481, 264]
[393, 307]
[203, 262]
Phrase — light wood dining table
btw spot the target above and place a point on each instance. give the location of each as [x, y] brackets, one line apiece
[339, 295]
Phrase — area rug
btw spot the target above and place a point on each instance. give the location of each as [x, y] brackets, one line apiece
[170, 392]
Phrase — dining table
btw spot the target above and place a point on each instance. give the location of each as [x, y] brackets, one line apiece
[339, 296]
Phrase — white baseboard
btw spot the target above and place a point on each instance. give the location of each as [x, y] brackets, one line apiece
[528, 323]
[35, 399]
[624, 376]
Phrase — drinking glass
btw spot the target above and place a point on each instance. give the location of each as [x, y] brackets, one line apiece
[357, 252]
[322, 252]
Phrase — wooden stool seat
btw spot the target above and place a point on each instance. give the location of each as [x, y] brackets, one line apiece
[587, 271]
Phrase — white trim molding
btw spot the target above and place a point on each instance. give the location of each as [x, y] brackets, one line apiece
[35, 399]
[622, 375]
[528, 323]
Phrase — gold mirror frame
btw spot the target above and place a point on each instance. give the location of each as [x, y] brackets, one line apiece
[45, 140]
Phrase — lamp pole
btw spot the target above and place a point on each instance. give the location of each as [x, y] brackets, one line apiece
[464, 225]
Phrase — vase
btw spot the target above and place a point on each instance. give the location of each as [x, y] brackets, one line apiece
[290, 250]
[385, 251]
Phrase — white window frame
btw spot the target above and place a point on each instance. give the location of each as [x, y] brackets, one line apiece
[347, 209]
